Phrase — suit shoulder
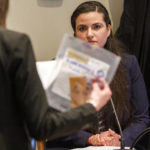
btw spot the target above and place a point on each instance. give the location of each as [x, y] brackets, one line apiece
[128, 57]
[132, 65]
[12, 38]
[129, 60]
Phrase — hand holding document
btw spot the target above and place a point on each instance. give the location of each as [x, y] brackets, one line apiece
[76, 63]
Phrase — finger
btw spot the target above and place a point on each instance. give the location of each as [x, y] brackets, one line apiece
[100, 82]
[113, 133]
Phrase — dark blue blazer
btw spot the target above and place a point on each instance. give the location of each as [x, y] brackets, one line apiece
[140, 106]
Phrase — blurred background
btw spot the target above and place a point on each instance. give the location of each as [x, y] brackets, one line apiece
[46, 23]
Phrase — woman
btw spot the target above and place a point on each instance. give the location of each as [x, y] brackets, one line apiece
[91, 23]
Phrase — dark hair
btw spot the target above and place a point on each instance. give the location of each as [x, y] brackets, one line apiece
[3, 11]
[119, 84]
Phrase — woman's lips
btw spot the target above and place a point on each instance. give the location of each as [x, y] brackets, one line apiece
[92, 41]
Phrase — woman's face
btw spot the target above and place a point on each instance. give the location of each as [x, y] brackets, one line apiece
[92, 28]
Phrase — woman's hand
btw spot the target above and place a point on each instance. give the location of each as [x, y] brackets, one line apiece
[107, 138]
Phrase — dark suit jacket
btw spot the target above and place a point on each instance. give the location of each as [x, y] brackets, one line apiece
[140, 114]
[23, 105]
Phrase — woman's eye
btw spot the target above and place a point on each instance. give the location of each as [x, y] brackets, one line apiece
[96, 26]
[82, 28]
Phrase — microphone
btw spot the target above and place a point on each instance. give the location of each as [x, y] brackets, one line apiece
[122, 147]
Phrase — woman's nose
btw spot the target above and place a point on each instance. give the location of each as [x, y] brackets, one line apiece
[90, 33]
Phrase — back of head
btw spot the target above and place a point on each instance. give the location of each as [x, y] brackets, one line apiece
[90, 6]
[3, 11]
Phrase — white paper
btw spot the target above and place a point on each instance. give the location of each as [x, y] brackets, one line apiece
[99, 148]
[76, 63]
[45, 70]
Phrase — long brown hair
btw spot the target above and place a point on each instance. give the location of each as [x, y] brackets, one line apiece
[3, 11]
[119, 85]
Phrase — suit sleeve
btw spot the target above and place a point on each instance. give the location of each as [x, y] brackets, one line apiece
[140, 105]
[32, 102]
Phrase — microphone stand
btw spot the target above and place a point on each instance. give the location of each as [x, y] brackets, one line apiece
[122, 147]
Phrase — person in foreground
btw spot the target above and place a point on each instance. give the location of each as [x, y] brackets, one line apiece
[23, 106]
[91, 22]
